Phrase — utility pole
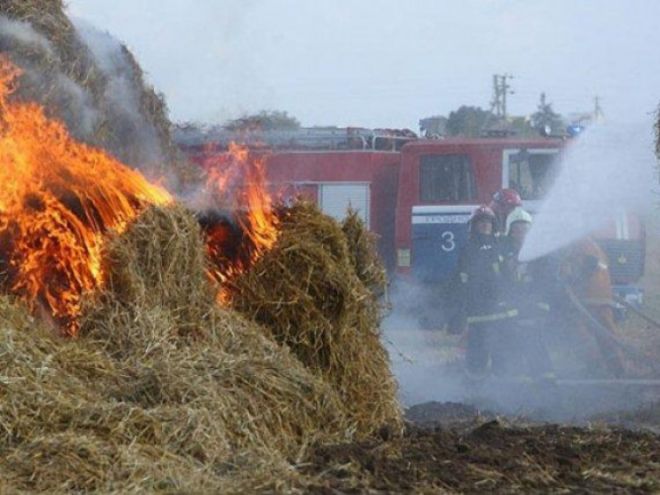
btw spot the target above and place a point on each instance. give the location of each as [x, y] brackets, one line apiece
[598, 111]
[501, 89]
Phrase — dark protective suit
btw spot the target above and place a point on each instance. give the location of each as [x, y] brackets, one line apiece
[478, 290]
[528, 289]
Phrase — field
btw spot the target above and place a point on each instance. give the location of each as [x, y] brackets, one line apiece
[458, 449]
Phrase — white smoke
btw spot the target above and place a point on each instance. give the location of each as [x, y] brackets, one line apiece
[24, 34]
[74, 101]
[421, 352]
[120, 90]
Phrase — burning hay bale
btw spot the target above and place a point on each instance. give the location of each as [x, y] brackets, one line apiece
[159, 318]
[307, 292]
[163, 390]
[160, 264]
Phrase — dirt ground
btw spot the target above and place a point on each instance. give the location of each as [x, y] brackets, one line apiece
[449, 447]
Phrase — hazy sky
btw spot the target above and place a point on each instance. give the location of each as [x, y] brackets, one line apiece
[387, 63]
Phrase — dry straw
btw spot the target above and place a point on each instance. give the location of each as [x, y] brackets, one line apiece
[308, 292]
[162, 391]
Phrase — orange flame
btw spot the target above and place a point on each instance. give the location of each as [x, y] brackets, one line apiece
[237, 182]
[58, 199]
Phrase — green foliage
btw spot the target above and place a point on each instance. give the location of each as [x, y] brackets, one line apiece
[265, 120]
[522, 126]
[468, 121]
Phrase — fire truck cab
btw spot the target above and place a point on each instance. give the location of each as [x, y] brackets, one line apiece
[442, 182]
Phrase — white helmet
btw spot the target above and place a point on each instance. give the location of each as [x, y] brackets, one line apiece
[517, 215]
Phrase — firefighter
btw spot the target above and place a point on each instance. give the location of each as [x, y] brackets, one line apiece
[478, 284]
[504, 201]
[522, 348]
[589, 305]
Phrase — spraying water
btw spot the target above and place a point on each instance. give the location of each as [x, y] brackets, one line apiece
[609, 169]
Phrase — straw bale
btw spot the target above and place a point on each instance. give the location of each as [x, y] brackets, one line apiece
[307, 294]
[145, 400]
[160, 319]
[363, 253]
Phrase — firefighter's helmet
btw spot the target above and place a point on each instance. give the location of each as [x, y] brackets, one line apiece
[483, 211]
[505, 200]
[517, 215]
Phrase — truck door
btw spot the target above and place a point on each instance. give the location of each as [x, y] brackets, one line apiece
[336, 198]
[439, 223]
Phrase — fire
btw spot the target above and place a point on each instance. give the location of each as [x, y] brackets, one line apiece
[58, 201]
[235, 241]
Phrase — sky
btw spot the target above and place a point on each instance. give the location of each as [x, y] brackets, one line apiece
[388, 63]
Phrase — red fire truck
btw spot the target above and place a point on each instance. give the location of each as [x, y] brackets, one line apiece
[417, 194]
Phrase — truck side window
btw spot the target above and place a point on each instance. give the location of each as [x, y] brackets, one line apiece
[532, 174]
[446, 178]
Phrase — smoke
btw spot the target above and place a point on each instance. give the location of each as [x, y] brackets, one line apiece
[611, 168]
[44, 81]
[424, 358]
[23, 33]
[90, 81]
[121, 92]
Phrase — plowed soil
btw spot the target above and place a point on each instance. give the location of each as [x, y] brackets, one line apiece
[455, 448]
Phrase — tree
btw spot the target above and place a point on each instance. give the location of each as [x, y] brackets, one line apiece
[522, 126]
[468, 121]
[266, 120]
[545, 116]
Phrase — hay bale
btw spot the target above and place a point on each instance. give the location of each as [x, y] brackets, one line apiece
[160, 319]
[162, 391]
[159, 264]
[364, 254]
[307, 293]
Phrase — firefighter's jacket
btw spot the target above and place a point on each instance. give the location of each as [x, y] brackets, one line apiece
[478, 281]
[584, 268]
[529, 287]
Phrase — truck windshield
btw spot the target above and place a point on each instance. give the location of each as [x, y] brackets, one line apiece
[446, 178]
[532, 173]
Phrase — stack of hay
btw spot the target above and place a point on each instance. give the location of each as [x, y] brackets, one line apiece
[317, 292]
[163, 389]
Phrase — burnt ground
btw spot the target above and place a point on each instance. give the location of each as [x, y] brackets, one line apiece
[450, 447]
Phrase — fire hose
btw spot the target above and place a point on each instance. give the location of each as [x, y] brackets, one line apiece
[601, 332]
[635, 310]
